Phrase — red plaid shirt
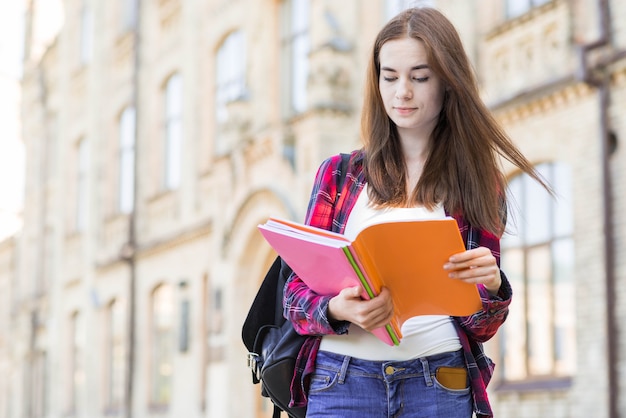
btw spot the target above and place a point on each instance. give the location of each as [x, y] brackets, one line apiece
[308, 310]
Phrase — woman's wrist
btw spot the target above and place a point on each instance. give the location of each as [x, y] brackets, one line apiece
[493, 288]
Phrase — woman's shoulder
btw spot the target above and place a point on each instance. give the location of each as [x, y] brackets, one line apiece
[334, 161]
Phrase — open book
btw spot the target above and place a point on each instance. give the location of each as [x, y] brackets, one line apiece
[407, 257]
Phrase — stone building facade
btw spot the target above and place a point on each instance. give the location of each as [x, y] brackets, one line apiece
[159, 134]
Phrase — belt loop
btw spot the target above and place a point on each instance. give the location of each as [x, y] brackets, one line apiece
[427, 377]
[344, 370]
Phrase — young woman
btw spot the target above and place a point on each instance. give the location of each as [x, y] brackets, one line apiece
[430, 150]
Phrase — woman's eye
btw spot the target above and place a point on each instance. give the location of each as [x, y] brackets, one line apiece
[389, 78]
[421, 79]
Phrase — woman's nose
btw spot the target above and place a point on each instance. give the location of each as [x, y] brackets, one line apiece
[404, 90]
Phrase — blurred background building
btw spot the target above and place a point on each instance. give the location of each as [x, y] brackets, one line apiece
[159, 133]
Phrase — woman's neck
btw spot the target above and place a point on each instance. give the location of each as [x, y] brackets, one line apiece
[415, 152]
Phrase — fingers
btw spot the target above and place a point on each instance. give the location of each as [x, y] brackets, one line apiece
[480, 256]
[352, 292]
[475, 272]
[472, 259]
[475, 266]
[377, 311]
[340, 307]
[368, 314]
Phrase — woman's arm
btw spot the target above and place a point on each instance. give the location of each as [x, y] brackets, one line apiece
[307, 310]
[480, 265]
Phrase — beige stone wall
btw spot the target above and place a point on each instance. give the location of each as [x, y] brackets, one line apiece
[7, 264]
[618, 171]
[566, 130]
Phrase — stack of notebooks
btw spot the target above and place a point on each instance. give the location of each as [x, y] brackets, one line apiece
[407, 257]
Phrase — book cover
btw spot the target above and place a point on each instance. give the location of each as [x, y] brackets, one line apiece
[405, 256]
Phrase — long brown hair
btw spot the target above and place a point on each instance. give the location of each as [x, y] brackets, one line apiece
[462, 170]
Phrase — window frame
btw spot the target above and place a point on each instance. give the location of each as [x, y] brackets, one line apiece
[173, 132]
[295, 49]
[230, 75]
[517, 8]
[161, 336]
[75, 370]
[86, 39]
[115, 339]
[557, 367]
[129, 14]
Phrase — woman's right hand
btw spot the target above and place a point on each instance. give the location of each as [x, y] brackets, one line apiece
[368, 314]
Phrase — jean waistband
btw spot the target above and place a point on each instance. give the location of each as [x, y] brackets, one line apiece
[414, 367]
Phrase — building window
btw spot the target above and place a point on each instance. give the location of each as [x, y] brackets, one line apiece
[162, 345]
[295, 52]
[173, 132]
[86, 33]
[129, 13]
[126, 190]
[393, 7]
[515, 8]
[36, 386]
[76, 370]
[82, 167]
[204, 337]
[115, 356]
[231, 73]
[216, 319]
[538, 339]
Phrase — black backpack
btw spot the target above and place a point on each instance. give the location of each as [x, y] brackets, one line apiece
[273, 344]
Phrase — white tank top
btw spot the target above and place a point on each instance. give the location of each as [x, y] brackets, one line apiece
[422, 335]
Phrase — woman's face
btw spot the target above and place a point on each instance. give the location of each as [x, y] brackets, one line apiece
[412, 93]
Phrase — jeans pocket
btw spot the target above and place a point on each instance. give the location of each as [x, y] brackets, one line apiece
[462, 391]
[452, 379]
[323, 379]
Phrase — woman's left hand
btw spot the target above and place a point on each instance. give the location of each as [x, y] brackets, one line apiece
[475, 266]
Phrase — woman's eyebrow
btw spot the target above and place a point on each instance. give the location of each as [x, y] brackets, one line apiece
[417, 67]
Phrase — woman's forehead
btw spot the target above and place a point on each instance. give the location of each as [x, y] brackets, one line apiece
[403, 51]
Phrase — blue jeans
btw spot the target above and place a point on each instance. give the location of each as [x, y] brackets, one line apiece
[346, 387]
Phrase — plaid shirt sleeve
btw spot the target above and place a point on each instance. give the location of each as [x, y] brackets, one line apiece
[482, 325]
[303, 307]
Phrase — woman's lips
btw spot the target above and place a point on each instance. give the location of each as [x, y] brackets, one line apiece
[404, 110]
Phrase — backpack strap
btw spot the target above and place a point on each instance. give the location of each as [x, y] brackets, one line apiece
[345, 160]
[285, 270]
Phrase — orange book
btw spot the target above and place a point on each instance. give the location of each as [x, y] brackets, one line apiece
[407, 257]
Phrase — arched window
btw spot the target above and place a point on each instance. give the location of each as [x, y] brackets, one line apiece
[76, 369]
[162, 344]
[128, 14]
[115, 346]
[295, 54]
[86, 32]
[231, 73]
[538, 339]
